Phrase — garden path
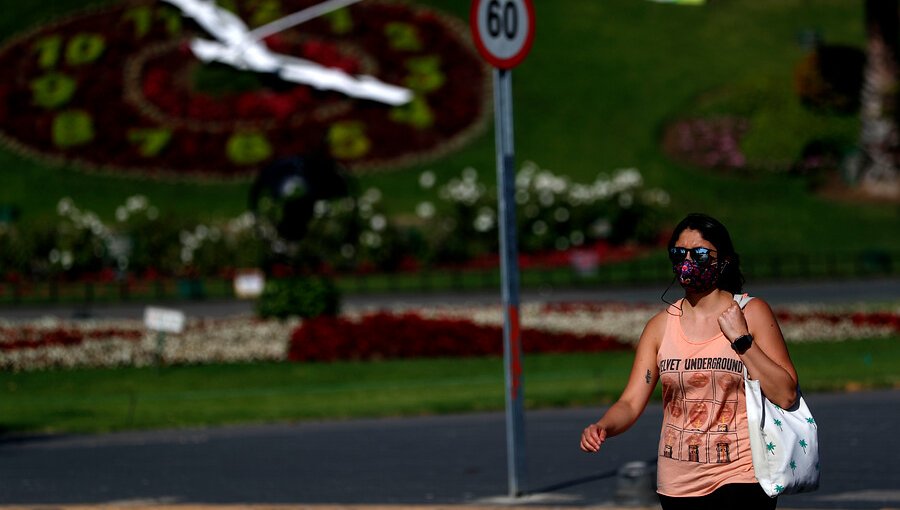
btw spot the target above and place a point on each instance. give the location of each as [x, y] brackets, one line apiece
[879, 290]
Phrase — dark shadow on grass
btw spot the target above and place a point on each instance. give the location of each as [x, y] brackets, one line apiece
[19, 434]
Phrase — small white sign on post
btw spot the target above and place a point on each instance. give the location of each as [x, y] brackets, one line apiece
[164, 320]
[249, 284]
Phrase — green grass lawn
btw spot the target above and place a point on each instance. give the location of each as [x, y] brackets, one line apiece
[600, 84]
[103, 400]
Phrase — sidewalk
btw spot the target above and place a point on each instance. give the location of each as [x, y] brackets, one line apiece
[164, 506]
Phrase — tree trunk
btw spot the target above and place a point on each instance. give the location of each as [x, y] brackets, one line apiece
[879, 134]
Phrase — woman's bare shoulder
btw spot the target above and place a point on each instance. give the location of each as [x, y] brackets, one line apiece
[659, 319]
[758, 306]
[656, 326]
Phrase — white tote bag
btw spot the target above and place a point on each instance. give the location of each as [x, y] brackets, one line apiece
[784, 442]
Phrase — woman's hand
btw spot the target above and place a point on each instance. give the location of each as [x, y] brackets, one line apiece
[733, 323]
[593, 438]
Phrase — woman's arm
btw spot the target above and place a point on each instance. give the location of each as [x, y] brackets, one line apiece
[644, 374]
[767, 359]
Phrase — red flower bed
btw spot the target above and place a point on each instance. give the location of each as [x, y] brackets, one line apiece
[389, 336]
[877, 319]
[12, 339]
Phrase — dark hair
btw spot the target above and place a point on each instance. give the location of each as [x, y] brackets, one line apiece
[713, 231]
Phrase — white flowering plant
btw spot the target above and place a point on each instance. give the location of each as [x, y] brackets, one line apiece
[139, 241]
[457, 222]
[552, 212]
[348, 233]
[81, 240]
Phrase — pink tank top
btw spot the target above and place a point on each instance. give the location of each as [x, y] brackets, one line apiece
[704, 442]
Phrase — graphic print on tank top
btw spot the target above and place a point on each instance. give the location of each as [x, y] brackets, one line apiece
[700, 396]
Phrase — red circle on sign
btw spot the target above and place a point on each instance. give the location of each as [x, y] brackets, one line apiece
[496, 60]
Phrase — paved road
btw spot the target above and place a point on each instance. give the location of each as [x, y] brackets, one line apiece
[419, 461]
[851, 291]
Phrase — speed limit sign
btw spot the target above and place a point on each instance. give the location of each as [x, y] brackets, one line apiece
[503, 30]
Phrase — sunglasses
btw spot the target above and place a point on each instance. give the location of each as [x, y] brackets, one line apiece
[699, 255]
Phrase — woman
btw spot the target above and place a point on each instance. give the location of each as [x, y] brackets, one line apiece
[698, 347]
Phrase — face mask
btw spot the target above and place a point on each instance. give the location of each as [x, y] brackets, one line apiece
[696, 278]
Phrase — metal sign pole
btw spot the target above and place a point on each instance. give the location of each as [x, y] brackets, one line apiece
[503, 31]
[509, 276]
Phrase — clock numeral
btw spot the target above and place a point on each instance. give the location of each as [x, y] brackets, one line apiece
[150, 141]
[341, 21]
[47, 49]
[403, 36]
[348, 140]
[52, 90]
[72, 128]
[416, 113]
[142, 18]
[248, 148]
[171, 20]
[265, 11]
[425, 74]
[82, 48]
[228, 5]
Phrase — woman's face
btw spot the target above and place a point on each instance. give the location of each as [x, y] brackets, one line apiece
[695, 276]
[693, 239]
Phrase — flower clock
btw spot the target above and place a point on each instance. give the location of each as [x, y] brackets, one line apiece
[193, 88]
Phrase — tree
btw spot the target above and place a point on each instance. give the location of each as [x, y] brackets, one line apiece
[877, 173]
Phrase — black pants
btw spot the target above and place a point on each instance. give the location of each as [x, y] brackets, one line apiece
[748, 496]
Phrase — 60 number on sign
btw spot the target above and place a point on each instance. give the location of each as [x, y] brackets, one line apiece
[503, 30]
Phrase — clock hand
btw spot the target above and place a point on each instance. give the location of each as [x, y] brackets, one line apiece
[330, 78]
[253, 57]
[302, 71]
[302, 16]
[220, 23]
[243, 49]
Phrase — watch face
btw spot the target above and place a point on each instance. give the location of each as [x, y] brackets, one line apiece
[120, 89]
[742, 343]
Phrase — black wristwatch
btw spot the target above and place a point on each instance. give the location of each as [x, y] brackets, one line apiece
[742, 343]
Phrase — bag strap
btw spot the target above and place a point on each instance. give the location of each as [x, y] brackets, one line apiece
[742, 299]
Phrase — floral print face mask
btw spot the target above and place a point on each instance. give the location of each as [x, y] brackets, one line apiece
[695, 277]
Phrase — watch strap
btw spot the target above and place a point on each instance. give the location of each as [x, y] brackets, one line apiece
[742, 343]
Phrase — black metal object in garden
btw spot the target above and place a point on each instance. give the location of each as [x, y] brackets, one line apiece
[287, 190]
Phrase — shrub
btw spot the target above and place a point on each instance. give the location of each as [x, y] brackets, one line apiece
[830, 78]
[553, 213]
[709, 142]
[352, 233]
[14, 252]
[820, 159]
[298, 297]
